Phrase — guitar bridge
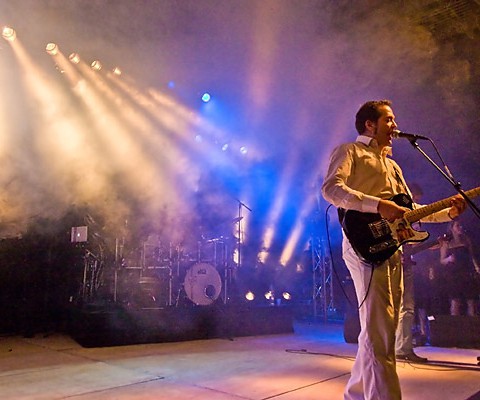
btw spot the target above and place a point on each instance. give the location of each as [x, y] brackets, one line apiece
[379, 228]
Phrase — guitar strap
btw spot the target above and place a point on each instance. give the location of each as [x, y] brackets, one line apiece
[404, 184]
[401, 181]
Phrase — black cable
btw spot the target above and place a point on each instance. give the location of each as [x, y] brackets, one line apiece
[442, 366]
[368, 288]
[335, 270]
[313, 353]
[331, 257]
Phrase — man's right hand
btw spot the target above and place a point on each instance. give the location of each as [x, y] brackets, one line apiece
[390, 210]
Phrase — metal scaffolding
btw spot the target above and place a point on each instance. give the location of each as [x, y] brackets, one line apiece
[323, 299]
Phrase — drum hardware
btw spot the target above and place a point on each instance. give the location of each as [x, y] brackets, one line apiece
[138, 290]
[158, 258]
[92, 270]
[216, 240]
[119, 244]
[228, 274]
[238, 221]
[163, 275]
[156, 253]
[221, 260]
[178, 270]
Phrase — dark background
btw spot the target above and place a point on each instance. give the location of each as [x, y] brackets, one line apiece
[286, 78]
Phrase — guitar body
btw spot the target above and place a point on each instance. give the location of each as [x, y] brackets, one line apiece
[373, 238]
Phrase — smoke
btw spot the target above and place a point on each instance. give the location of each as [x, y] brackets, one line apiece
[289, 77]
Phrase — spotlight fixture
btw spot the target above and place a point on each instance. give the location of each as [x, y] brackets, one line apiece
[250, 296]
[74, 58]
[287, 296]
[206, 97]
[9, 33]
[51, 49]
[96, 65]
[117, 71]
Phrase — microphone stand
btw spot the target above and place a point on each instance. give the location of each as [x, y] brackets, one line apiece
[448, 177]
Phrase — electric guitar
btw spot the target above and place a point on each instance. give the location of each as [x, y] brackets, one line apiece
[375, 239]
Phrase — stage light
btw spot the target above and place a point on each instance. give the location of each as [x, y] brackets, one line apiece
[74, 58]
[52, 49]
[250, 296]
[225, 147]
[235, 255]
[243, 150]
[269, 295]
[286, 296]
[9, 33]
[96, 65]
[206, 97]
[171, 84]
[117, 71]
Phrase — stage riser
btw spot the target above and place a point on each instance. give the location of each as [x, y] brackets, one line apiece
[122, 326]
[455, 331]
[445, 330]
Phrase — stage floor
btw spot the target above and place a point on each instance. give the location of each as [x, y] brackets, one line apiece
[311, 363]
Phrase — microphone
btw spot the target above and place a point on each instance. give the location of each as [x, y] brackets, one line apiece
[410, 136]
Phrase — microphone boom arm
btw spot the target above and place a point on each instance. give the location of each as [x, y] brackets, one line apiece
[449, 178]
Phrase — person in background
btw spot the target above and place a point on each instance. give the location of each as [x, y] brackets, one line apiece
[462, 270]
[406, 320]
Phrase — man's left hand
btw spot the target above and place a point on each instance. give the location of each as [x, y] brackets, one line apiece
[457, 206]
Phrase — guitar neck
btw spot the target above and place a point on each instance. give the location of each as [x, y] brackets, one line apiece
[422, 212]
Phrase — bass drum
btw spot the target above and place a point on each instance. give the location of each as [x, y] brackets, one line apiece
[202, 284]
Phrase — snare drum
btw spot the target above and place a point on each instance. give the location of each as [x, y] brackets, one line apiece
[202, 284]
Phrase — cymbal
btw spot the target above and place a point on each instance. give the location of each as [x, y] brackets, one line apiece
[216, 240]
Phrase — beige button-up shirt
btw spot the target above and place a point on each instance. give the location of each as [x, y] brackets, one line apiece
[360, 174]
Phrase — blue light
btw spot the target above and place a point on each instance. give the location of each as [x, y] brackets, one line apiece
[198, 138]
[206, 97]
[225, 147]
[171, 84]
[243, 150]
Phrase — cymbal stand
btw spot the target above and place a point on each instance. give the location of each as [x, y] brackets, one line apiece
[178, 252]
[84, 282]
[118, 257]
[170, 273]
[199, 251]
[90, 269]
[226, 274]
[240, 230]
[221, 261]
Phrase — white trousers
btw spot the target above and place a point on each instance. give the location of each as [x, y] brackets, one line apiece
[374, 375]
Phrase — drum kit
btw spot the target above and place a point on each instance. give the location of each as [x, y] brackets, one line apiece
[162, 274]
